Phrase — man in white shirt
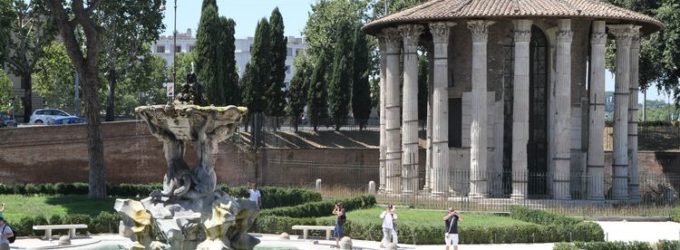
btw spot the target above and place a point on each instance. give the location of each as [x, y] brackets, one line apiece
[255, 194]
[389, 226]
[5, 233]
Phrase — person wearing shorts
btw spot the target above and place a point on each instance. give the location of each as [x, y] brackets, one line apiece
[451, 234]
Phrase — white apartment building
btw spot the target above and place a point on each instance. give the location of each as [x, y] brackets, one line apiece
[186, 42]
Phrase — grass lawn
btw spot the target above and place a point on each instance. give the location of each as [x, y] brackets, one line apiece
[431, 218]
[19, 206]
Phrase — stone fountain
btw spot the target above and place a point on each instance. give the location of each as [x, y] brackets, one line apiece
[189, 213]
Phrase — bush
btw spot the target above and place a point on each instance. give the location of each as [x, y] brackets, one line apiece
[540, 217]
[615, 245]
[105, 222]
[675, 214]
[668, 245]
[277, 196]
[321, 208]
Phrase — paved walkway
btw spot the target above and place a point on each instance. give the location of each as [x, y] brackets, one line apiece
[615, 231]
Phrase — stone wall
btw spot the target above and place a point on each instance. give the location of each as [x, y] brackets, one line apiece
[132, 155]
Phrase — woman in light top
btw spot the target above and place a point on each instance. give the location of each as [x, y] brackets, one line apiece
[389, 225]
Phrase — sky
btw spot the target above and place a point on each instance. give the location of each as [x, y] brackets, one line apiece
[246, 14]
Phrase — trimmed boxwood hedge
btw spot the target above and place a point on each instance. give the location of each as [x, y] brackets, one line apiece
[619, 245]
[271, 196]
[552, 228]
[104, 222]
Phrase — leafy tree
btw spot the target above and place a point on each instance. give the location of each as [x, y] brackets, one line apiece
[297, 92]
[129, 25]
[183, 62]
[208, 53]
[660, 51]
[317, 94]
[320, 30]
[142, 85]
[279, 49]
[70, 19]
[31, 30]
[7, 100]
[361, 95]
[54, 77]
[339, 87]
[7, 16]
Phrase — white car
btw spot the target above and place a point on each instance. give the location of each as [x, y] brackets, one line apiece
[46, 116]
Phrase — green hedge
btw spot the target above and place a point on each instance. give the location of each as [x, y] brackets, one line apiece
[321, 208]
[279, 220]
[540, 217]
[271, 196]
[675, 214]
[104, 222]
[282, 219]
[618, 245]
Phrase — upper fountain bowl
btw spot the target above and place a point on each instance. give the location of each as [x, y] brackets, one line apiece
[192, 123]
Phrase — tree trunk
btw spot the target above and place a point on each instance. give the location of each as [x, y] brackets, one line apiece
[26, 84]
[110, 103]
[95, 146]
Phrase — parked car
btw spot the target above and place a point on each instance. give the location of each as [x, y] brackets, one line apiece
[47, 116]
[6, 120]
[66, 120]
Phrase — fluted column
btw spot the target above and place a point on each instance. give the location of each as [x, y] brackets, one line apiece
[409, 132]
[598, 50]
[392, 39]
[520, 109]
[440, 114]
[633, 174]
[623, 34]
[383, 145]
[562, 158]
[478, 128]
[430, 80]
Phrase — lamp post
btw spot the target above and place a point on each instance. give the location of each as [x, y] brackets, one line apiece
[174, 56]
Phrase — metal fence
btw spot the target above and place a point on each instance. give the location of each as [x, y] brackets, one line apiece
[659, 194]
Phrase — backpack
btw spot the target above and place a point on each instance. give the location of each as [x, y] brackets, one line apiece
[14, 236]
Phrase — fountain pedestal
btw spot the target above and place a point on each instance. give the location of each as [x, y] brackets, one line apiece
[189, 213]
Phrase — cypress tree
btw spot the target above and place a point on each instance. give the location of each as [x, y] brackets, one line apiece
[339, 88]
[229, 76]
[317, 95]
[258, 69]
[297, 93]
[361, 90]
[207, 53]
[275, 91]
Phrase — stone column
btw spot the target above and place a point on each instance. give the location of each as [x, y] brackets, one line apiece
[633, 174]
[598, 50]
[392, 39]
[440, 114]
[478, 128]
[430, 79]
[624, 35]
[409, 132]
[520, 108]
[383, 145]
[562, 158]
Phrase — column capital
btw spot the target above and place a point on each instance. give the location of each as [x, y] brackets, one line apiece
[410, 34]
[479, 29]
[440, 31]
[623, 32]
[564, 34]
[522, 36]
[391, 38]
[635, 40]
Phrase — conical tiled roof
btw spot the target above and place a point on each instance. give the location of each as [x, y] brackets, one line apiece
[440, 10]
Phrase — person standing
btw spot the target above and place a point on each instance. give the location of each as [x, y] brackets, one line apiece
[255, 194]
[2, 210]
[451, 221]
[339, 212]
[5, 234]
[389, 225]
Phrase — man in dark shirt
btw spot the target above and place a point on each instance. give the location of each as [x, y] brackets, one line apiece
[451, 221]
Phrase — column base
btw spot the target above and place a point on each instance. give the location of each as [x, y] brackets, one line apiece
[427, 190]
[597, 197]
[438, 194]
[518, 196]
[478, 196]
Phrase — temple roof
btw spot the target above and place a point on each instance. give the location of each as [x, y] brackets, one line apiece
[452, 10]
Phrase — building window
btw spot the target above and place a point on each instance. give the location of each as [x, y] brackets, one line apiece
[178, 49]
[287, 69]
[289, 52]
[191, 48]
[160, 49]
[299, 51]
